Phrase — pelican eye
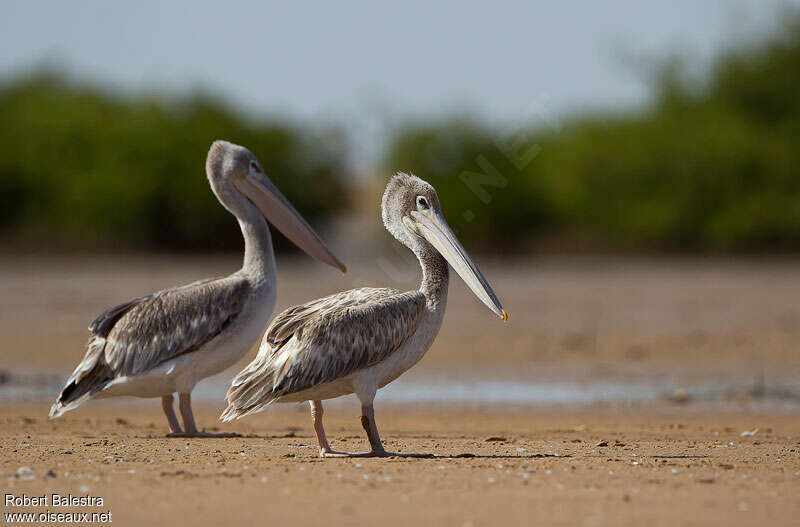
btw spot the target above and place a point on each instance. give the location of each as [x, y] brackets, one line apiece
[422, 203]
[254, 167]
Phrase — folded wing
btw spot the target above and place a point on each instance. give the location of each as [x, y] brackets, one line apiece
[325, 340]
[139, 335]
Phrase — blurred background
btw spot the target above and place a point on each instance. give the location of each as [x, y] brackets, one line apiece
[626, 175]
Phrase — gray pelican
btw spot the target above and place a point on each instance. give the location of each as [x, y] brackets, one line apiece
[360, 340]
[168, 341]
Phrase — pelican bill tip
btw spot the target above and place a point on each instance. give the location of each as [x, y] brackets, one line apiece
[505, 316]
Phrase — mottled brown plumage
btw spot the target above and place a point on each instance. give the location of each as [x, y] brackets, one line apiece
[173, 322]
[360, 340]
[141, 334]
[325, 340]
[166, 342]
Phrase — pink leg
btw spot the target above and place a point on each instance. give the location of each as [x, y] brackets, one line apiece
[324, 448]
[367, 421]
[316, 415]
[169, 411]
[185, 406]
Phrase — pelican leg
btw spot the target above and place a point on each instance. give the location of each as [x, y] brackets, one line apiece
[185, 405]
[169, 411]
[368, 422]
[316, 416]
[190, 428]
[324, 448]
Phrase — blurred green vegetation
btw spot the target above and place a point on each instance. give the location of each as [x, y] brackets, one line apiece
[83, 169]
[709, 166]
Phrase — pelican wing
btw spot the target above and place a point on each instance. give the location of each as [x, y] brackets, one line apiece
[134, 337]
[172, 323]
[323, 341]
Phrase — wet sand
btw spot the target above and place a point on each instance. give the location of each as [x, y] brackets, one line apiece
[571, 317]
[590, 466]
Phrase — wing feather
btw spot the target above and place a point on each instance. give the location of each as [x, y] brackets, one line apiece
[172, 323]
[141, 334]
[323, 341]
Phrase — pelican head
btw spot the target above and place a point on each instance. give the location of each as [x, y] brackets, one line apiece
[412, 214]
[238, 181]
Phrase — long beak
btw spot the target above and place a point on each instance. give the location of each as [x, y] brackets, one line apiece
[432, 226]
[277, 209]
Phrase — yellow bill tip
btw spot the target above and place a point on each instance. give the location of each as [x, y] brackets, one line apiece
[505, 316]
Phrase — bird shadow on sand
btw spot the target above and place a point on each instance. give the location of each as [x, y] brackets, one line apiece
[202, 435]
[392, 455]
[465, 455]
[222, 435]
[468, 455]
[398, 456]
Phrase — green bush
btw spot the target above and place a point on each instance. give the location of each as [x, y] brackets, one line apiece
[708, 168]
[486, 201]
[80, 168]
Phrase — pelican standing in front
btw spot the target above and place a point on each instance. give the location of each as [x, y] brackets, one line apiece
[166, 342]
[360, 340]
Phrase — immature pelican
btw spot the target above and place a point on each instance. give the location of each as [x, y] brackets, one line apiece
[360, 340]
[168, 341]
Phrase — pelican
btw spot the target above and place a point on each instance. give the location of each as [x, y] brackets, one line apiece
[166, 342]
[360, 340]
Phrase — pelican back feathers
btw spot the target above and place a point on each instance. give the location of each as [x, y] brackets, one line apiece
[139, 335]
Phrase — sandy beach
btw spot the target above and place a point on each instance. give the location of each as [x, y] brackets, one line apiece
[495, 467]
[584, 219]
[643, 377]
